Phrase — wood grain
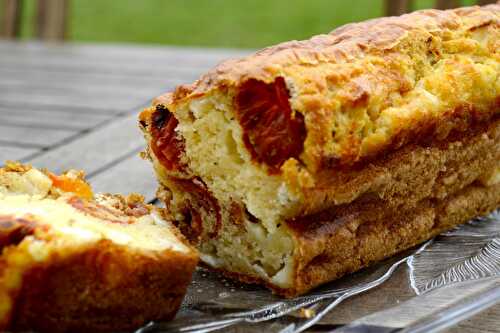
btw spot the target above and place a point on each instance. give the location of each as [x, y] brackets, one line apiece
[51, 118]
[131, 174]
[95, 150]
[14, 153]
[35, 137]
[20, 77]
[487, 321]
[84, 98]
[168, 56]
[109, 156]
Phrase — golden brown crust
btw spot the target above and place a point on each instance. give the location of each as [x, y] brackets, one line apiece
[370, 231]
[342, 45]
[103, 288]
[411, 173]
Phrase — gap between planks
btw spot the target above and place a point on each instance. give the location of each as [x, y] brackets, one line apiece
[113, 147]
[121, 53]
[76, 121]
[35, 137]
[14, 153]
[130, 175]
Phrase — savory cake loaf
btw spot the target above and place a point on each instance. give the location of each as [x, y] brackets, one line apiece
[72, 261]
[311, 159]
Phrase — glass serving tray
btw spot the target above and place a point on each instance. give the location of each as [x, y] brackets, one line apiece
[425, 289]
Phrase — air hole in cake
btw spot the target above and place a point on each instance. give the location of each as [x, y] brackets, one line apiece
[232, 149]
[272, 132]
[250, 217]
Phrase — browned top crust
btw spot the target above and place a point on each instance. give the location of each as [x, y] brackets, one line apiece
[372, 87]
[344, 44]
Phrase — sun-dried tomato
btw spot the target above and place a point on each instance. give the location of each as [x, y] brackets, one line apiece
[14, 229]
[166, 145]
[200, 199]
[99, 211]
[271, 132]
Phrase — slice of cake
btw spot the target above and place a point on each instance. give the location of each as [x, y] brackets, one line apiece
[312, 159]
[74, 261]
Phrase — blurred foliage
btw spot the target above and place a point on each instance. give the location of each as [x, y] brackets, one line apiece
[218, 23]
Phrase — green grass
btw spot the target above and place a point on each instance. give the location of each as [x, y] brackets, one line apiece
[217, 23]
[230, 23]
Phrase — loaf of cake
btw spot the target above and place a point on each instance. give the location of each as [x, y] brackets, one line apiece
[72, 261]
[311, 159]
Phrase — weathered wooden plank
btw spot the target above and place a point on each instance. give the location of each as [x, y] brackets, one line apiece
[33, 106]
[33, 137]
[167, 67]
[94, 151]
[49, 119]
[14, 153]
[487, 321]
[122, 52]
[132, 174]
[395, 304]
[73, 90]
[115, 61]
[72, 93]
[22, 78]
[81, 99]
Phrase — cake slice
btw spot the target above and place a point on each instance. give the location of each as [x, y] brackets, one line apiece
[72, 261]
[312, 159]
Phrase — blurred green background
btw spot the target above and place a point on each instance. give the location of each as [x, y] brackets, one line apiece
[216, 23]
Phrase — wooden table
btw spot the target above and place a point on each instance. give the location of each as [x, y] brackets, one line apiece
[75, 106]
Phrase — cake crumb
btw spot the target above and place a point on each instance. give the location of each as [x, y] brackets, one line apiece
[306, 313]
